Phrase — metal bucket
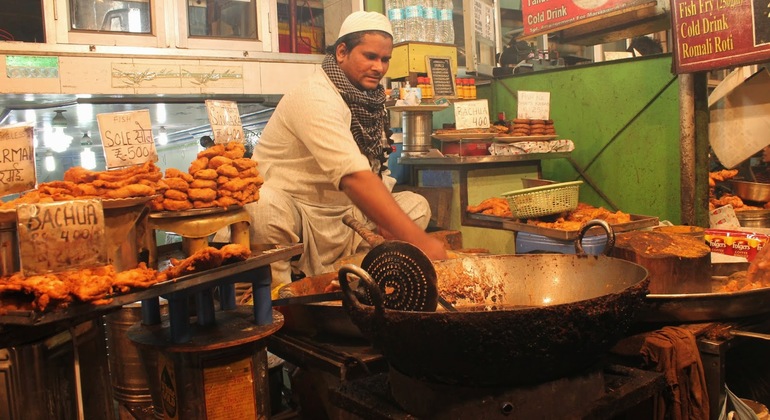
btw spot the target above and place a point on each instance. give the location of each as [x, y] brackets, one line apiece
[9, 249]
[417, 127]
[127, 370]
[754, 218]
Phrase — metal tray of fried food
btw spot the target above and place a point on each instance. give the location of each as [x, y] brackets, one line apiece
[241, 271]
[707, 307]
[637, 222]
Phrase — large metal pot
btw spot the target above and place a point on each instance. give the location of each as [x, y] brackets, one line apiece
[547, 316]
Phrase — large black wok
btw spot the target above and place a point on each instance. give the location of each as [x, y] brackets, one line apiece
[545, 316]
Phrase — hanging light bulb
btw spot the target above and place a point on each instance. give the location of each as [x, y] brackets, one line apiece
[56, 139]
[50, 163]
[162, 136]
[87, 156]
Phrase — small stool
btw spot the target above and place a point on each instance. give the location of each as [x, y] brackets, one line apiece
[195, 230]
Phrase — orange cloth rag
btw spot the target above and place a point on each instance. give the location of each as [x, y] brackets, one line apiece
[674, 352]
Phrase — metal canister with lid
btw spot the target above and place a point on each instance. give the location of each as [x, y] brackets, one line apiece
[9, 246]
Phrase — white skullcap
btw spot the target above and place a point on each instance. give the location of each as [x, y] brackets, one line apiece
[365, 21]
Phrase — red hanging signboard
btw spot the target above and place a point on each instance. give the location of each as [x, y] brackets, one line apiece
[547, 16]
[713, 34]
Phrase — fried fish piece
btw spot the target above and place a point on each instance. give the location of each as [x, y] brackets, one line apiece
[248, 173]
[244, 163]
[202, 194]
[133, 179]
[90, 284]
[197, 165]
[203, 183]
[132, 190]
[228, 171]
[209, 174]
[215, 150]
[234, 252]
[139, 277]
[204, 204]
[225, 201]
[178, 184]
[172, 194]
[234, 150]
[217, 161]
[203, 259]
[177, 205]
[176, 173]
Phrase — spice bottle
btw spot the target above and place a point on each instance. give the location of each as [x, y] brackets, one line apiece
[428, 88]
[471, 88]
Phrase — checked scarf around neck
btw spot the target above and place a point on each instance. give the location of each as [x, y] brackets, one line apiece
[369, 117]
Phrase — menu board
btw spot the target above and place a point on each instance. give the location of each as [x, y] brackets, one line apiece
[225, 121]
[534, 105]
[547, 16]
[712, 34]
[60, 236]
[472, 114]
[17, 165]
[127, 138]
[441, 77]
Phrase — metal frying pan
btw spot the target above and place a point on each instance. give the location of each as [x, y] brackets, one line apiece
[401, 270]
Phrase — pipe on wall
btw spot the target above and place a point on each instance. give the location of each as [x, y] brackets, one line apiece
[687, 147]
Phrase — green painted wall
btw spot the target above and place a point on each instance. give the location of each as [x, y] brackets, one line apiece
[623, 117]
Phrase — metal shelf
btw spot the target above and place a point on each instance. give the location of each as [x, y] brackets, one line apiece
[464, 164]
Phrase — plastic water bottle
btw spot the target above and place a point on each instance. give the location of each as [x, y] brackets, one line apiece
[413, 20]
[446, 29]
[430, 21]
[395, 11]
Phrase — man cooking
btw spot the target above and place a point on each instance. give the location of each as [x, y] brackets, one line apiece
[322, 155]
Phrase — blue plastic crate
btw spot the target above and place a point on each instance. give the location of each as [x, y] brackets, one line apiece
[529, 242]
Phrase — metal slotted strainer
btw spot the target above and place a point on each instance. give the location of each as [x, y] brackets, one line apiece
[401, 270]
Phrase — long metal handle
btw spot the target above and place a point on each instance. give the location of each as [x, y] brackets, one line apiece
[751, 334]
[372, 238]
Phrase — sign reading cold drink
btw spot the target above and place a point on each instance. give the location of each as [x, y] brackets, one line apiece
[546, 16]
[712, 34]
[127, 138]
[17, 159]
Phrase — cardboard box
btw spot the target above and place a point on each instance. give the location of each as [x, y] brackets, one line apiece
[740, 116]
[742, 244]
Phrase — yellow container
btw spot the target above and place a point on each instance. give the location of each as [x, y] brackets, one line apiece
[409, 57]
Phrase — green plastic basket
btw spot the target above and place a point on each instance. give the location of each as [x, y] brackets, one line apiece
[544, 200]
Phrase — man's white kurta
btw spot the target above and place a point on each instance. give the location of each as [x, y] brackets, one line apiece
[303, 153]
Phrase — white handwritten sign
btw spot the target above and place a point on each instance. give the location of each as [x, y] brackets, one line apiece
[225, 121]
[534, 105]
[472, 114]
[60, 236]
[17, 159]
[127, 138]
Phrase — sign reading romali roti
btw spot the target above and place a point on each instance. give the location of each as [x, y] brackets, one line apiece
[472, 114]
[225, 121]
[60, 236]
[17, 162]
[127, 138]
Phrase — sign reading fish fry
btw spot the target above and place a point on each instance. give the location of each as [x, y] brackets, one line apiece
[127, 138]
[17, 159]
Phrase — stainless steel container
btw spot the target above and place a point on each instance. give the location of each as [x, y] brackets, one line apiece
[417, 127]
[128, 373]
[754, 218]
[9, 249]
